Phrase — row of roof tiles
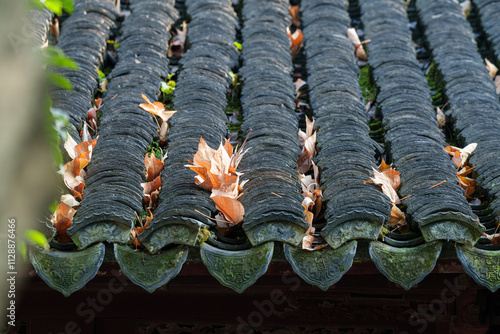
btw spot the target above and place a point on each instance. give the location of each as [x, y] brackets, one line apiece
[347, 154]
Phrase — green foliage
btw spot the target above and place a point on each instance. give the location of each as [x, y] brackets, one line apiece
[368, 87]
[57, 124]
[238, 46]
[55, 58]
[55, 6]
[156, 150]
[34, 238]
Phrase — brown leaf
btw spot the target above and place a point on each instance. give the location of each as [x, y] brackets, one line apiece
[386, 183]
[153, 166]
[232, 210]
[72, 171]
[492, 69]
[468, 184]
[151, 186]
[84, 149]
[460, 155]
[383, 166]
[497, 83]
[157, 108]
[294, 13]
[296, 41]
[359, 50]
[304, 162]
[62, 220]
[397, 217]
[178, 41]
[136, 231]
[494, 238]
[440, 117]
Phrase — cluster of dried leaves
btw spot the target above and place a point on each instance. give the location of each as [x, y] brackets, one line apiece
[216, 171]
[388, 178]
[152, 167]
[312, 203]
[73, 174]
[493, 70]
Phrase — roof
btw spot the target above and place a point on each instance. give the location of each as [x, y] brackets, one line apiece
[356, 212]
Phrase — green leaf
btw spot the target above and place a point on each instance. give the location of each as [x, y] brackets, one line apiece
[59, 80]
[57, 123]
[101, 75]
[55, 6]
[67, 5]
[55, 57]
[21, 248]
[238, 46]
[36, 238]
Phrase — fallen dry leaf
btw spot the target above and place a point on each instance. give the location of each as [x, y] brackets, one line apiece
[136, 231]
[383, 180]
[70, 200]
[359, 50]
[294, 13]
[307, 141]
[153, 165]
[494, 238]
[296, 41]
[492, 69]
[232, 210]
[216, 171]
[156, 108]
[460, 155]
[62, 220]
[178, 42]
[468, 184]
[497, 83]
[151, 186]
[440, 117]
[54, 29]
[397, 217]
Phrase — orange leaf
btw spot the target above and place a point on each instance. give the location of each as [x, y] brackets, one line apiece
[494, 238]
[232, 210]
[296, 41]
[383, 166]
[397, 217]
[153, 166]
[157, 109]
[84, 149]
[294, 13]
[468, 184]
[62, 220]
[492, 69]
[136, 231]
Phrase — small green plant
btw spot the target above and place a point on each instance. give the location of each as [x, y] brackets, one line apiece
[238, 46]
[167, 89]
[156, 150]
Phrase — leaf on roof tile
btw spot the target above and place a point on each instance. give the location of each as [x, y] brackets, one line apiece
[178, 41]
[153, 165]
[359, 50]
[492, 69]
[62, 219]
[216, 172]
[294, 14]
[136, 231]
[296, 41]
[158, 109]
[460, 155]
[307, 142]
